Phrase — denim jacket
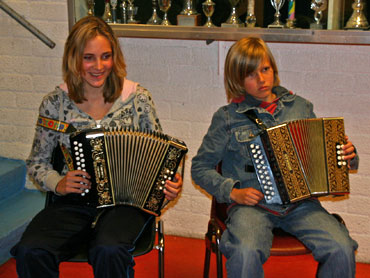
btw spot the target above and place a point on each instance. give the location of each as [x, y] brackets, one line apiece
[226, 140]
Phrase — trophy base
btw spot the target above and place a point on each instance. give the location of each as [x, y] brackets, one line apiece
[316, 26]
[233, 25]
[276, 26]
[188, 20]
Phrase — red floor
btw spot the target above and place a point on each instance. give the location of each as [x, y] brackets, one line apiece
[184, 257]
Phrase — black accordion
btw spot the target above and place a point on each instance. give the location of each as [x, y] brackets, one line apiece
[127, 167]
[299, 159]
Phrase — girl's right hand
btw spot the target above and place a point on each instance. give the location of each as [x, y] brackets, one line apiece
[73, 182]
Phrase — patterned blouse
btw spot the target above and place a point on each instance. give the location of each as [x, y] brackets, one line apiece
[135, 108]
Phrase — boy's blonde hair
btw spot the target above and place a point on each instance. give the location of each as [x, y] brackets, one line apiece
[84, 30]
[243, 58]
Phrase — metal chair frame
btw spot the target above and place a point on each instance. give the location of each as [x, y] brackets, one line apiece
[145, 243]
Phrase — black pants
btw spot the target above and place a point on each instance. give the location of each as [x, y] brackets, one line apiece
[59, 231]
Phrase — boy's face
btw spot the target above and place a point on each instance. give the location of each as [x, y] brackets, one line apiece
[259, 83]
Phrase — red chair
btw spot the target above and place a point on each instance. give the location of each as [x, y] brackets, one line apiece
[283, 244]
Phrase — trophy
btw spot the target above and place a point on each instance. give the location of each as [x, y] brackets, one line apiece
[164, 6]
[357, 19]
[90, 7]
[113, 3]
[188, 16]
[277, 4]
[208, 8]
[124, 12]
[107, 16]
[318, 6]
[233, 20]
[154, 19]
[131, 11]
[250, 20]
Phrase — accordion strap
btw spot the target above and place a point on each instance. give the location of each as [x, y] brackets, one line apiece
[251, 114]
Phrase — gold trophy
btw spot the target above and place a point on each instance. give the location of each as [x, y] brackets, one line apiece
[188, 16]
[357, 19]
[233, 20]
[208, 9]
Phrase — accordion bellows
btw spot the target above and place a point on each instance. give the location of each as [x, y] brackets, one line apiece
[300, 159]
[128, 167]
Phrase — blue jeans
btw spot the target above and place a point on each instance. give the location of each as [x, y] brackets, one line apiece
[247, 240]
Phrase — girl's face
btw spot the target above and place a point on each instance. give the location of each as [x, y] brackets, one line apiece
[97, 62]
[259, 83]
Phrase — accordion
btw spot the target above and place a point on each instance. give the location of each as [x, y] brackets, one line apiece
[299, 159]
[128, 167]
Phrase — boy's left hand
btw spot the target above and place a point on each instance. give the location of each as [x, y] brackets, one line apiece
[173, 188]
[348, 151]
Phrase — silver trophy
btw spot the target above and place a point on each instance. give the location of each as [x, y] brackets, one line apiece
[318, 6]
[233, 20]
[164, 6]
[154, 19]
[277, 4]
[358, 19]
[208, 7]
[131, 12]
[113, 3]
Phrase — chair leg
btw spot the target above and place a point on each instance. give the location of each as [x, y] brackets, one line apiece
[207, 260]
[219, 263]
[160, 248]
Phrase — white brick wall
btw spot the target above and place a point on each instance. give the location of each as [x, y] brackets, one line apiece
[184, 78]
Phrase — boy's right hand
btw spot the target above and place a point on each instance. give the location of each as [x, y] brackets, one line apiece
[246, 196]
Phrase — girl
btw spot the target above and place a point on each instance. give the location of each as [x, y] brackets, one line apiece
[95, 93]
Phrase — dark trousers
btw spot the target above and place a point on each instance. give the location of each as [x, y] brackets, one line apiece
[59, 231]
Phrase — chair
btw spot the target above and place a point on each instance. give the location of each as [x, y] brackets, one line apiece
[145, 243]
[283, 244]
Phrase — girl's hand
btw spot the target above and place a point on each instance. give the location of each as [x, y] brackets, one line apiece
[73, 182]
[173, 188]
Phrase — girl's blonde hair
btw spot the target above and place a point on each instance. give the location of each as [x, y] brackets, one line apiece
[243, 58]
[84, 30]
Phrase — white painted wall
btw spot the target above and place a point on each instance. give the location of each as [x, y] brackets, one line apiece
[184, 78]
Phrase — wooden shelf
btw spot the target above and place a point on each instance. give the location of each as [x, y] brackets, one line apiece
[356, 37]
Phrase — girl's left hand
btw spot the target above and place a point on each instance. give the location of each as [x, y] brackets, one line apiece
[173, 188]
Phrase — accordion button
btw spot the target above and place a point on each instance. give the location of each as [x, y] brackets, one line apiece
[252, 146]
[272, 193]
[75, 142]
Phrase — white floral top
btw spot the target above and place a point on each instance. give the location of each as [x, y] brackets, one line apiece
[134, 109]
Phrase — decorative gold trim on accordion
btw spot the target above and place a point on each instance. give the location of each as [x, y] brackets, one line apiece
[128, 167]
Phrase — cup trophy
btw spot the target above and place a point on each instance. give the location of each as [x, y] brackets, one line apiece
[188, 16]
[277, 4]
[107, 16]
[131, 11]
[250, 20]
[164, 6]
[318, 6]
[208, 7]
[357, 19]
[154, 19]
[90, 7]
[233, 20]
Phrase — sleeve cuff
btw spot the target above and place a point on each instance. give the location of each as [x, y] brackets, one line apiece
[51, 180]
